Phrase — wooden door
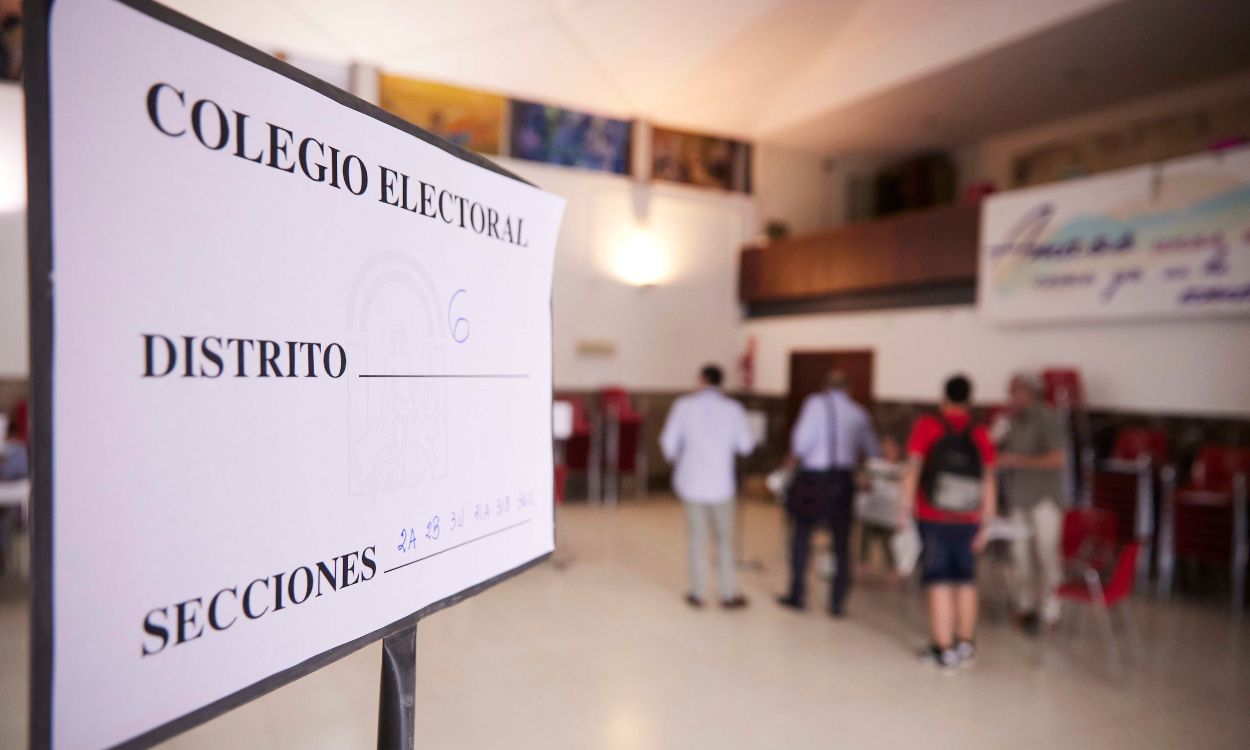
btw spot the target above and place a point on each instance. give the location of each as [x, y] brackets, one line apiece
[808, 370]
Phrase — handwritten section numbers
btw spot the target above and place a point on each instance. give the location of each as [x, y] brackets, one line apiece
[459, 522]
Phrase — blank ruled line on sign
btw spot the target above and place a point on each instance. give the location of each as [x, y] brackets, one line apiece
[454, 546]
[453, 376]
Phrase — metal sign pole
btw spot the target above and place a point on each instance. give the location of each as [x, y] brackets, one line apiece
[397, 716]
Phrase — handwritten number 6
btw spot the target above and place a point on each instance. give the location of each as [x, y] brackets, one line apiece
[459, 326]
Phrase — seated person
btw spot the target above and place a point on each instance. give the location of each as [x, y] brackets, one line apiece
[14, 465]
[878, 501]
[14, 460]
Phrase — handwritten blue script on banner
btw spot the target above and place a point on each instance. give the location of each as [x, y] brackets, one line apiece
[1165, 240]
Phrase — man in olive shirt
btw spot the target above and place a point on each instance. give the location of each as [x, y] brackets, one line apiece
[1033, 459]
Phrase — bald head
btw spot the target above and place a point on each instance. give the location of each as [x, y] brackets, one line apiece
[836, 380]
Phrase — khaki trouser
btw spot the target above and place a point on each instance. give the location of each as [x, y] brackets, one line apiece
[1045, 522]
[720, 516]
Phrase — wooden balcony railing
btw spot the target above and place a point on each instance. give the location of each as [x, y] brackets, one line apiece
[922, 257]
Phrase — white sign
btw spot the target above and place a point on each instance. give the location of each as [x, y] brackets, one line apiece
[1165, 240]
[301, 376]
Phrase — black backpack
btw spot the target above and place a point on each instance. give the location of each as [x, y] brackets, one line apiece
[951, 477]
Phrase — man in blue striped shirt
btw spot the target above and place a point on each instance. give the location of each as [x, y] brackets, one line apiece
[832, 435]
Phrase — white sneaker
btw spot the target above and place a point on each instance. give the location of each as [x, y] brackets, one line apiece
[966, 651]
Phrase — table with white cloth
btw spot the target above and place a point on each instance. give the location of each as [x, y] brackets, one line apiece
[1002, 533]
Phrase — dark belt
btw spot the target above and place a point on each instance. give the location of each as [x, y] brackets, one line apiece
[826, 472]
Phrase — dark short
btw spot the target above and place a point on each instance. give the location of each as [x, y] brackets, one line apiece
[946, 554]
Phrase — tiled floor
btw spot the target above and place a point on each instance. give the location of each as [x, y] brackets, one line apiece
[598, 651]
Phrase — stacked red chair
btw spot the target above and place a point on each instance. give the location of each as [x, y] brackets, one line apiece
[1127, 485]
[1134, 443]
[624, 447]
[561, 478]
[20, 422]
[1205, 520]
[581, 450]
[1063, 388]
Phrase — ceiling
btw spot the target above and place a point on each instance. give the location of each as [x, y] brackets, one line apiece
[822, 76]
[1116, 53]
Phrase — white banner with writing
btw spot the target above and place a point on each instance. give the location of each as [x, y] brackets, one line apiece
[301, 379]
[1165, 240]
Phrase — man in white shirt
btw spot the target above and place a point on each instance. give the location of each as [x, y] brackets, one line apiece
[704, 432]
[830, 438]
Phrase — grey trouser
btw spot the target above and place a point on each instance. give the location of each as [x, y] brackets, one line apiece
[721, 518]
[1044, 520]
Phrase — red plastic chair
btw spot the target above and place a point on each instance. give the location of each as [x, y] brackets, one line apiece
[1124, 493]
[624, 448]
[1205, 521]
[19, 422]
[581, 452]
[627, 424]
[581, 419]
[1137, 443]
[616, 403]
[1217, 466]
[1081, 525]
[577, 450]
[1126, 486]
[1104, 592]
[1063, 388]
[562, 474]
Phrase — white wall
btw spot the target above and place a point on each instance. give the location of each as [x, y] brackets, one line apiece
[807, 191]
[13, 341]
[661, 334]
[1164, 367]
[798, 188]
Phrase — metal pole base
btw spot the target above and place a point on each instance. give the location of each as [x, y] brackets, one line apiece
[397, 717]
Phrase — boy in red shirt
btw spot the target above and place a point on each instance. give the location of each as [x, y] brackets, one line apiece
[950, 483]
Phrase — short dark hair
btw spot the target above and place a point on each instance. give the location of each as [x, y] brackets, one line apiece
[958, 389]
[712, 375]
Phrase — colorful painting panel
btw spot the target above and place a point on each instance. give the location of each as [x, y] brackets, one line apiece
[703, 160]
[554, 135]
[472, 119]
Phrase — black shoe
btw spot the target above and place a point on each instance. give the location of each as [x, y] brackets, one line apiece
[836, 611]
[945, 659]
[694, 601]
[790, 603]
[1030, 623]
